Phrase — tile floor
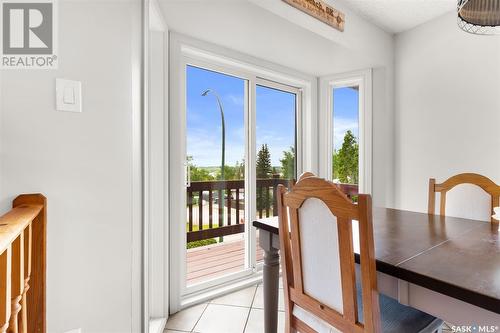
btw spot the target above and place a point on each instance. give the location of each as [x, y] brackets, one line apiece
[239, 312]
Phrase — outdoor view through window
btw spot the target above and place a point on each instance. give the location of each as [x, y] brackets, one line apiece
[345, 157]
[216, 160]
[275, 139]
[216, 143]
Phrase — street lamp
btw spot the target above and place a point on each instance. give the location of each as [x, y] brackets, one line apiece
[221, 108]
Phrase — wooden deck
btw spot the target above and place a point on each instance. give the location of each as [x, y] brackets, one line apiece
[208, 262]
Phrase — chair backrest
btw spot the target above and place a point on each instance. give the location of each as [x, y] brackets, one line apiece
[316, 239]
[462, 179]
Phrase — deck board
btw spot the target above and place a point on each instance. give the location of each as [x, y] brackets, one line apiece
[208, 262]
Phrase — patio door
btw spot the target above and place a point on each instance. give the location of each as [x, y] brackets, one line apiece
[216, 144]
[233, 141]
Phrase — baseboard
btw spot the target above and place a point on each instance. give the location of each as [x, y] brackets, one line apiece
[157, 325]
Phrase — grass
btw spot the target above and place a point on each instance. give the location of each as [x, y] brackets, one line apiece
[200, 243]
[203, 242]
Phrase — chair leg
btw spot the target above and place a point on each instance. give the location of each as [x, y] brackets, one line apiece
[288, 324]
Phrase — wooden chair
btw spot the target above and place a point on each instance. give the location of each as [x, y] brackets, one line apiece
[322, 293]
[465, 178]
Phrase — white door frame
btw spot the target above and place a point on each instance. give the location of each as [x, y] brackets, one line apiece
[188, 51]
[363, 79]
[155, 141]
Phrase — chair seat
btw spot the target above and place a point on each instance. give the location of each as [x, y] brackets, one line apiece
[395, 318]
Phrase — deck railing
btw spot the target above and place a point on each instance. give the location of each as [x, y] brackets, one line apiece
[212, 219]
[22, 265]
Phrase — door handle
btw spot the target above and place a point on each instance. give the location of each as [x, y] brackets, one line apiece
[188, 175]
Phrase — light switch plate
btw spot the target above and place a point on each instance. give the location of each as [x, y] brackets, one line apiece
[68, 95]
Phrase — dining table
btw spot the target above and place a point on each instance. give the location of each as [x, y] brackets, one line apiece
[446, 266]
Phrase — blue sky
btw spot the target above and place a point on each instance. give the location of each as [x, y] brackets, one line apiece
[275, 118]
[345, 117]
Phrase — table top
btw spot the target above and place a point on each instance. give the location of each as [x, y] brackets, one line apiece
[453, 256]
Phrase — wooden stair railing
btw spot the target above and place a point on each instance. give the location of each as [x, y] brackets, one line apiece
[23, 246]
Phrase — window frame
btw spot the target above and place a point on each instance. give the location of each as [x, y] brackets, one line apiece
[363, 79]
[298, 116]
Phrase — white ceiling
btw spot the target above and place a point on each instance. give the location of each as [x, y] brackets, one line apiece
[396, 16]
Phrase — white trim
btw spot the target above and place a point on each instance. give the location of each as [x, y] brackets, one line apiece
[211, 293]
[299, 114]
[138, 223]
[157, 325]
[325, 125]
[156, 19]
[155, 166]
[157, 182]
[145, 144]
[250, 175]
[187, 51]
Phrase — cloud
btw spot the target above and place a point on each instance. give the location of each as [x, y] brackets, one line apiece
[341, 126]
[237, 100]
[205, 148]
[276, 144]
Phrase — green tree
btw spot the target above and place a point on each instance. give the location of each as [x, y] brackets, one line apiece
[198, 174]
[236, 172]
[229, 173]
[264, 170]
[335, 165]
[240, 170]
[288, 164]
[345, 161]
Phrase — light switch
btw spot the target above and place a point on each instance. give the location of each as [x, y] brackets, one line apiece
[68, 95]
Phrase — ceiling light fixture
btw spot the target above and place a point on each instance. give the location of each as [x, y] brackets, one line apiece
[480, 17]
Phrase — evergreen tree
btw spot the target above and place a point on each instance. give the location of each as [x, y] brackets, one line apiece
[345, 161]
[264, 170]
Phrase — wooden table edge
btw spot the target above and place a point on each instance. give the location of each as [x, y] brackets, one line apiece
[472, 297]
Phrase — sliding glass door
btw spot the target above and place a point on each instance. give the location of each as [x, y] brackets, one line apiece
[215, 192]
[276, 145]
[237, 142]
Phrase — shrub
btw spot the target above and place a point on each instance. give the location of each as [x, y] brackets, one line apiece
[204, 242]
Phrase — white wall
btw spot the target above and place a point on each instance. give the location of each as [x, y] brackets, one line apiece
[363, 40]
[82, 162]
[275, 32]
[296, 43]
[447, 107]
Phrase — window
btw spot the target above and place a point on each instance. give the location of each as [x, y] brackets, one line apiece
[345, 130]
[276, 137]
[215, 134]
[345, 155]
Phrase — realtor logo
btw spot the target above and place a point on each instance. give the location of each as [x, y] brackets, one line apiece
[28, 32]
